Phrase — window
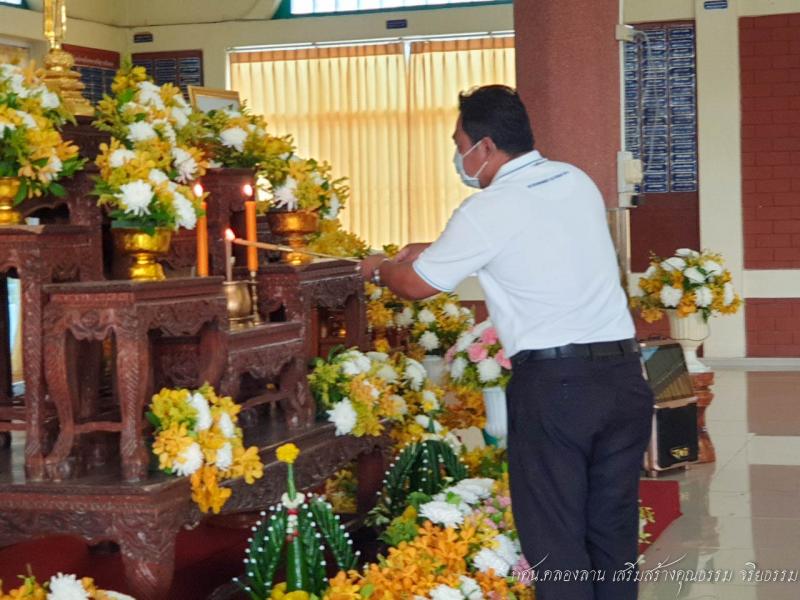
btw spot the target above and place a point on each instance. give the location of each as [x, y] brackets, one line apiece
[313, 7]
[19, 3]
[661, 107]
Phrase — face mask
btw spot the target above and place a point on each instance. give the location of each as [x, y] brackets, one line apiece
[458, 160]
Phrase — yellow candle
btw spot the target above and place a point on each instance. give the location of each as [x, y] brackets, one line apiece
[250, 224]
[202, 243]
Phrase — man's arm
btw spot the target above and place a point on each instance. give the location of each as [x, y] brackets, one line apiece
[399, 277]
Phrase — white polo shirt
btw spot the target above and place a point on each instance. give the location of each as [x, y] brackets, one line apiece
[538, 239]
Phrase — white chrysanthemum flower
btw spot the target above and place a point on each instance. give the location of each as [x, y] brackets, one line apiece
[470, 588]
[363, 361]
[204, 419]
[189, 460]
[473, 490]
[27, 119]
[50, 100]
[712, 267]
[489, 370]
[377, 356]
[185, 214]
[52, 169]
[487, 559]
[179, 116]
[136, 196]
[426, 316]
[673, 264]
[120, 156]
[233, 137]
[414, 374]
[166, 130]
[226, 425]
[4, 126]
[405, 318]
[424, 421]
[150, 94]
[387, 373]
[686, 253]
[344, 416]
[703, 297]
[441, 513]
[728, 294]
[507, 549]
[224, 459]
[694, 275]
[445, 592]
[430, 398]
[332, 211]
[350, 368]
[185, 163]
[400, 404]
[66, 587]
[451, 310]
[458, 367]
[141, 131]
[285, 195]
[651, 270]
[429, 341]
[464, 341]
[17, 83]
[671, 296]
[157, 176]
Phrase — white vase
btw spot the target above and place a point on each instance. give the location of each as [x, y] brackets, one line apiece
[494, 399]
[690, 332]
[435, 368]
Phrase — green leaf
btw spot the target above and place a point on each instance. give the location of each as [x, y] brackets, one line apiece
[22, 193]
[57, 190]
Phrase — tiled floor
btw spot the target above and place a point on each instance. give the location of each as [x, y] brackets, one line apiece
[745, 508]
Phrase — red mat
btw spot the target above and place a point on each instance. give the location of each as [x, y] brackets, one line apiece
[664, 498]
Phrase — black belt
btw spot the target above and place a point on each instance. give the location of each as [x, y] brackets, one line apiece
[593, 350]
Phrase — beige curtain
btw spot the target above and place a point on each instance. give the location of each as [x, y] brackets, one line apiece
[439, 71]
[380, 119]
[346, 105]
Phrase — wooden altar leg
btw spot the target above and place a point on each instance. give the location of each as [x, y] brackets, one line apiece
[62, 393]
[148, 555]
[298, 404]
[356, 323]
[34, 377]
[213, 353]
[370, 471]
[133, 373]
[702, 383]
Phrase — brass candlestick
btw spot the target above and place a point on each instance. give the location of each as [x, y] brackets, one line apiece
[240, 308]
[59, 75]
[256, 317]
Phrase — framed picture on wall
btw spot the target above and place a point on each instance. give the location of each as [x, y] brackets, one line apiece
[207, 99]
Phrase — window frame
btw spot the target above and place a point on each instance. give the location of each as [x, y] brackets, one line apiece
[285, 9]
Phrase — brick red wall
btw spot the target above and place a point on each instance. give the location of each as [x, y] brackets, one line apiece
[770, 78]
[773, 327]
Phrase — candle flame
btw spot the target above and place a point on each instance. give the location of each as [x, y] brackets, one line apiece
[198, 189]
[229, 235]
[248, 190]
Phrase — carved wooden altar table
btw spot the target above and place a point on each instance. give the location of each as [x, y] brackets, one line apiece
[134, 312]
[40, 255]
[303, 289]
[145, 517]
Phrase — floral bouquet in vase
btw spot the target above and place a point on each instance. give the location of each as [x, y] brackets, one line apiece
[689, 288]
[478, 361]
[33, 155]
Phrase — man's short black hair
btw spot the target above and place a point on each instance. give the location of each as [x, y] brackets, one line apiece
[496, 111]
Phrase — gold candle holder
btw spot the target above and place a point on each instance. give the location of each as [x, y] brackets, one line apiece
[240, 304]
[253, 284]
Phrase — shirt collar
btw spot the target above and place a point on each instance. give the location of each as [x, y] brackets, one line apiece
[528, 159]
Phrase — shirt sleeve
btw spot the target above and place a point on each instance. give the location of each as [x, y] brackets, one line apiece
[461, 250]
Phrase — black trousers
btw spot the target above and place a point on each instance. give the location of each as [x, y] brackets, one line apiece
[577, 432]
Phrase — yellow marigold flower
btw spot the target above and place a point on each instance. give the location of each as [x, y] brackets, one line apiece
[287, 453]
[206, 491]
[247, 464]
[170, 443]
[344, 587]
[382, 345]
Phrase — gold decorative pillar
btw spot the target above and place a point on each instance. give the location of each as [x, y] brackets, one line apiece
[59, 75]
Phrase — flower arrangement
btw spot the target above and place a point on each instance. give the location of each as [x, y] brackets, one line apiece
[341, 489]
[60, 587]
[196, 436]
[295, 532]
[689, 282]
[145, 170]
[436, 324]
[31, 147]
[477, 360]
[334, 240]
[233, 138]
[307, 185]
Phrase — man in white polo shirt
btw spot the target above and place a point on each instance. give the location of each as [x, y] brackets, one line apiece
[579, 409]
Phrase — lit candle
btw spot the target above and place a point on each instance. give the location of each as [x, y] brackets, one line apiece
[250, 226]
[202, 243]
[229, 237]
[248, 190]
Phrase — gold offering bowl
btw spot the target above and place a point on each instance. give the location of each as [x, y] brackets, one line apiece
[144, 250]
[293, 227]
[9, 186]
[240, 304]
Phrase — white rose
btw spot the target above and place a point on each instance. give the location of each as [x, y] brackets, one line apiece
[671, 296]
[426, 316]
[344, 416]
[674, 264]
[136, 197]
[703, 297]
[694, 275]
[489, 370]
[429, 341]
[234, 137]
[189, 461]
[141, 131]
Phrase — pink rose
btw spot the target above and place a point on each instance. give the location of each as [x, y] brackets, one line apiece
[450, 354]
[502, 359]
[477, 352]
[489, 336]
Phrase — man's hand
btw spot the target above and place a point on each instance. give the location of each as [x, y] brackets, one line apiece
[370, 263]
[410, 252]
